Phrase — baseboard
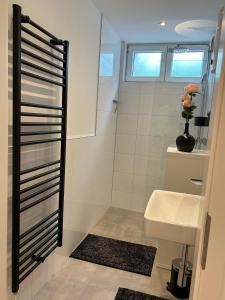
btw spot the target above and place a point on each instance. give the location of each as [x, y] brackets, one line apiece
[163, 266]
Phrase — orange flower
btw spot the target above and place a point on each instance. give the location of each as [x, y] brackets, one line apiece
[185, 98]
[191, 88]
[187, 103]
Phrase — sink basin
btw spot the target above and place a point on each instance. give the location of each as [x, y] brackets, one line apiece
[173, 216]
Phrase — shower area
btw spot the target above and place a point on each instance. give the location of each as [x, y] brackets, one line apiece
[148, 122]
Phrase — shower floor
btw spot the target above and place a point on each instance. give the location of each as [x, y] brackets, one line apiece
[80, 280]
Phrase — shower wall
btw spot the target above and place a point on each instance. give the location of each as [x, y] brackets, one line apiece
[90, 160]
[148, 122]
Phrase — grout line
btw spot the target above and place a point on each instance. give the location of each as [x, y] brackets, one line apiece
[136, 138]
[116, 121]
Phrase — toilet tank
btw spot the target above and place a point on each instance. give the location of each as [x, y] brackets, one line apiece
[182, 168]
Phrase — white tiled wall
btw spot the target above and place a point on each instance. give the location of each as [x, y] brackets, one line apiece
[148, 122]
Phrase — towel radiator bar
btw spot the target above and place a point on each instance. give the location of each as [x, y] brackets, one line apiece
[43, 58]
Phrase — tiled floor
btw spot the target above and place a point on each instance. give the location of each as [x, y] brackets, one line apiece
[123, 225]
[80, 280]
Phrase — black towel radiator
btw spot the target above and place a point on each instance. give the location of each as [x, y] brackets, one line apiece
[38, 240]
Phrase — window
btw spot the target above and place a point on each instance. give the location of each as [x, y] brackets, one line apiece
[187, 63]
[145, 63]
[106, 64]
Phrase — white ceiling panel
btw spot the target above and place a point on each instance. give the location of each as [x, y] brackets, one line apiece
[138, 20]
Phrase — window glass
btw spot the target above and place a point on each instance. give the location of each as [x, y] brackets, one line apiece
[146, 64]
[163, 62]
[187, 64]
[106, 64]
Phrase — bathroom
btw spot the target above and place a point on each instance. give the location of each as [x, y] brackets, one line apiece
[128, 65]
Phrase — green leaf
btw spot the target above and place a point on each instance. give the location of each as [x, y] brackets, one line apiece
[184, 114]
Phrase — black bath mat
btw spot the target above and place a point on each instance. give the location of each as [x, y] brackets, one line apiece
[116, 254]
[125, 294]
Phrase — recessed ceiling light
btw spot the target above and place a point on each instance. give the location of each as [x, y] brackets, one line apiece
[162, 23]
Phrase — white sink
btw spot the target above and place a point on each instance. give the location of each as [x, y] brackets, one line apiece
[173, 216]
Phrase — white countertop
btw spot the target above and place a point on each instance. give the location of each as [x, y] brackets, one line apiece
[203, 154]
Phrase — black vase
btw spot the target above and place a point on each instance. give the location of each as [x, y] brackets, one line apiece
[185, 142]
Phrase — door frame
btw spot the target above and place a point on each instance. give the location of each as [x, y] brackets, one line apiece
[3, 145]
[208, 283]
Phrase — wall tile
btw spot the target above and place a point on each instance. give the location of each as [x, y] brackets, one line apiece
[121, 199]
[122, 181]
[145, 184]
[147, 166]
[148, 88]
[123, 162]
[146, 103]
[166, 105]
[138, 202]
[154, 109]
[133, 200]
[128, 103]
[125, 143]
[146, 145]
[171, 87]
[164, 126]
[127, 124]
[144, 124]
[129, 87]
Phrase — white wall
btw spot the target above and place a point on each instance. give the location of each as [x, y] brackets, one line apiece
[4, 144]
[89, 167]
[79, 22]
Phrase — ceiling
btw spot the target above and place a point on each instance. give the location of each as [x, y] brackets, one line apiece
[137, 21]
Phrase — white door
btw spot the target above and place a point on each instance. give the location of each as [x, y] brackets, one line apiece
[209, 283]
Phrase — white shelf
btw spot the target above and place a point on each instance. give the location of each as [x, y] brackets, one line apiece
[201, 154]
